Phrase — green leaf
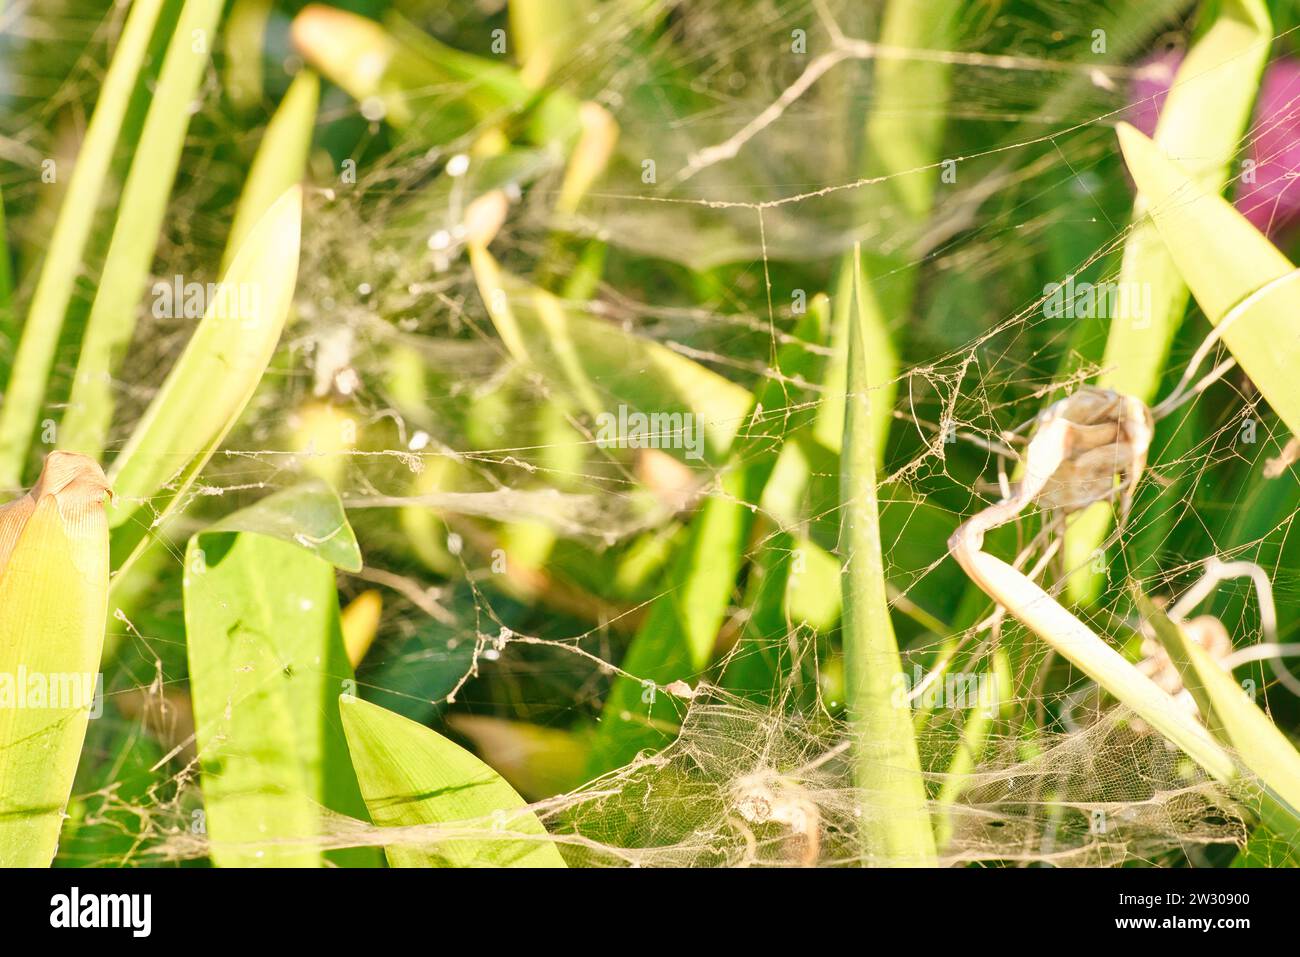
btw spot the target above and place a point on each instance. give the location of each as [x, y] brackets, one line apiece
[881, 357]
[1202, 121]
[676, 639]
[8, 328]
[53, 604]
[435, 93]
[245, 32]
[280, 160]
[1224, 260]
[308, 515]
[267, 664]
[411, 775]
[135, 233]
[25, 391]
[1233, 717]
[895, 823]
[212, 381]
[605, 366]
[909, 98]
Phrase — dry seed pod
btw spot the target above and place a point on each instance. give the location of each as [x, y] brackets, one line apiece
[1109, 435]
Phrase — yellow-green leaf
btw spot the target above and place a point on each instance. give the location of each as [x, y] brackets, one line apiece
[895, 823]
[213, 379]
[1224, 260]
[53, 603]
[411, 775]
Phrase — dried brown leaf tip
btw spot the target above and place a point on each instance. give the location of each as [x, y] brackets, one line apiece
[78, 486]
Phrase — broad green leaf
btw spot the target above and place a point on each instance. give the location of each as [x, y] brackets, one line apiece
[895, 823]
[25, 390]
[53, 605]
[135, 233]
[411, 775]
[1201, 123]
[266, 665]
[1225, 260]
[213, 379]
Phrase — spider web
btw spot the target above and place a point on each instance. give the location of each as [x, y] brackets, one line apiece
[759, 179]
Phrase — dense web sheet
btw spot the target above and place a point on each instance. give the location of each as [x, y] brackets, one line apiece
[753, 175]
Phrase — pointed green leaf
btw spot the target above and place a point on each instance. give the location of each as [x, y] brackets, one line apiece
[280, 159]
[53, 605]
[308, 515]
[411, 775]
[1201, 122]
[1224, 260]
[1233, 716]
[135, 233]
[895, 822]
[213, 379]
[25, 390]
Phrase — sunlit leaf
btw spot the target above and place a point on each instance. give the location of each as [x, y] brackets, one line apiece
[53, 605]
[411, 775]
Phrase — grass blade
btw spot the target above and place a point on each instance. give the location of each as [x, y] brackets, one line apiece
[411, 775]
[213, 379]
[53, 605]
[896, 829]
[135, 233]
[25, 391]
[8, 328]
[267, 664]
[677, 638]
[1083, 648]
